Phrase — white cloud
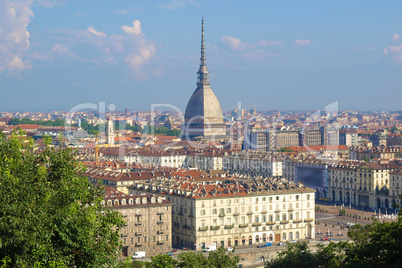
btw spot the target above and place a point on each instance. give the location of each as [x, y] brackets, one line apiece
[179, 4]
[92, 30]
[62, 50]
[232, 42]
[16, 63]
[130, 48]
[14, 36]
[135, 29]
[395, 52]
[137, 60]
[303, 42]
[395, 37]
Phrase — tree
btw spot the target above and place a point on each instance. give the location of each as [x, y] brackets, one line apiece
[192, 259]
[162, 261]
[220, 259]
[50, 215]
[374, 245]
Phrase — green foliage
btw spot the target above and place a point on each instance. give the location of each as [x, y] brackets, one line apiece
[216, 259]
[285, 149]
[342, 212]
[18, 121]
[91, 129]
[161, 130]
[49, 215]
[133, 128]
[220, 259]
[192, 259]
[374, 245]
[162, 261]
[47, 139]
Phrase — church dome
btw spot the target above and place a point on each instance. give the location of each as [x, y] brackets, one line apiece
[203, 116]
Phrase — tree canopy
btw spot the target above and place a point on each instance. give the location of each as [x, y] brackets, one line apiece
[57, 122]
[50, 216]
[215, 259]
[374, 245]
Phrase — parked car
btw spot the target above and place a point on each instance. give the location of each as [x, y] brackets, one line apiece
[293, 241]
[138, 255]
[325, 239]
[265, 245]
[229, 249]
[333, 239]
[169, 253]
[281, 244]
[184, 248]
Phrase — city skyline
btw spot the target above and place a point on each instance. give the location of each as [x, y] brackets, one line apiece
[303, 56]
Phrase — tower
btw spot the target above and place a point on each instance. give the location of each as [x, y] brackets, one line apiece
[110, 132]
[203, 117]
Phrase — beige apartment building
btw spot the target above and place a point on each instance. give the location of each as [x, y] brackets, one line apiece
[236, 213]
[362, 184]
[148, 222]
[395, 188]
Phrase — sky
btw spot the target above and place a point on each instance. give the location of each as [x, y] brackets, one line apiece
[285, 55]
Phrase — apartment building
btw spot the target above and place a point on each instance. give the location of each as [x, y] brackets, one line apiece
[254, 163]
[368, 153]
[148, 222]
[236, 212]
[362, 184]
[348, 137]
[395, 188]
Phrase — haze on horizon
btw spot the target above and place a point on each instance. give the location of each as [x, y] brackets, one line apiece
[298, 55]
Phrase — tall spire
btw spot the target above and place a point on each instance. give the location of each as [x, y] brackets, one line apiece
[203, 59]
[203, 77]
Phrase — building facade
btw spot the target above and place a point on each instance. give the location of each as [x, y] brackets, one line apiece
[148, 222]
[237, 213]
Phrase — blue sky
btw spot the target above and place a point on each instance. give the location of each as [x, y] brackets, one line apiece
[55, 54]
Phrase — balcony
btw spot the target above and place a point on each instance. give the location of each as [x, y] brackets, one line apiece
[249, 213]
[138, 244]
[230, 226]
[160, 213]
[214, 228]
[236, 213]
[308, 220]
[221, 214]
[160, 232]
[159, 222]
[257, 224]
[138, 234]
[138, 214]
[203, 229]
[270, 222]
[138, 223]
[284, 222]
[244, 225]
[160, 242]
[264, 212]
